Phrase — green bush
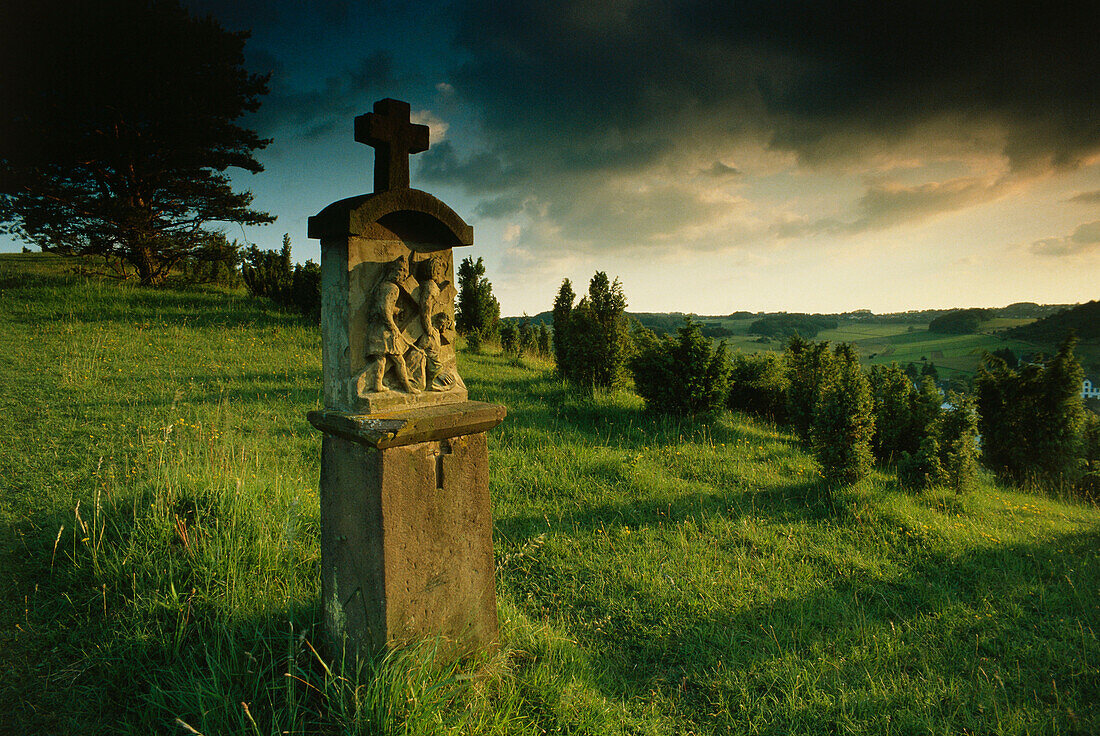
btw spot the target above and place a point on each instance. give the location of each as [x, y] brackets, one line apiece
[1089, 485]
[843, 423]
[526, 337]
[591, 340]
[807, 364]
[923, 468]
[305, 289]
[543, 339]
[894, 400]
[759, 385]
[217, 261]
[509, 338]
[269, 274]
[685, 375]
[1033, 420]
[948, 441]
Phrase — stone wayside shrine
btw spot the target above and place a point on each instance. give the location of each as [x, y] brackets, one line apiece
[406, 528]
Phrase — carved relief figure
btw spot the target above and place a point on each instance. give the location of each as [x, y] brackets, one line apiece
[386, 344]
[438, 328]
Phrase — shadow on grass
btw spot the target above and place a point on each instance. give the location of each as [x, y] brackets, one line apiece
[152, 637]
[786, 503]
[1008, 627]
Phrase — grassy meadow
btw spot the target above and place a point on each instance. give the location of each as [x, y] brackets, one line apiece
[955, 356]
[159, 560]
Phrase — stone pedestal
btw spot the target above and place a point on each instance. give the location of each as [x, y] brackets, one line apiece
[406, 530]
[406, 527]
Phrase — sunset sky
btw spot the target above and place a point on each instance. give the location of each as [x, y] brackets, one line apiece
[713, 155]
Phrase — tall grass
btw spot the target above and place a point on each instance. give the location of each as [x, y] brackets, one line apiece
[159, 559]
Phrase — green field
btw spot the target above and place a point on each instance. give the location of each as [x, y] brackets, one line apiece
[159, 557]
[884, 341]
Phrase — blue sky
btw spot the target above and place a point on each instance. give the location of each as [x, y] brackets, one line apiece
[715, 156]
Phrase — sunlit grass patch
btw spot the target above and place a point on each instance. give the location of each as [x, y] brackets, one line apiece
[159, 557]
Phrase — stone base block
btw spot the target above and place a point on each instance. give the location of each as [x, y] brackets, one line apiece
[372, 403]
[406, 528]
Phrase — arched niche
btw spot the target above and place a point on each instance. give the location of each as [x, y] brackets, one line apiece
[359, 237]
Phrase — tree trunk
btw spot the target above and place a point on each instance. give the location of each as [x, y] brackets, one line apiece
[143, 261]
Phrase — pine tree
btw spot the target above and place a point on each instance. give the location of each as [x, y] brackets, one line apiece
[544, 340]
[843, 421]
[118, 128]
[477, 309]
[1089, 485]
[894, 423]
[1059, 445]
[1032, 420]
[526, 342]
[563, 313]
[958, 439]
[268, 273]
[686, 375]
[927, 409]
[609, 352]
[807, 364]
[591, 339]
[305, 289]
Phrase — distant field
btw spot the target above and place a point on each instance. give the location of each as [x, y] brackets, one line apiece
[896, 338]
[892, 342]
[159, 555]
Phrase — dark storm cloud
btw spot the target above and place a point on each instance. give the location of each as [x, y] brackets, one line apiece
[313, 112]
[236, 15]
[499, 207]
[257, 15]
[480, 173]
[311, 108]
[814, 78]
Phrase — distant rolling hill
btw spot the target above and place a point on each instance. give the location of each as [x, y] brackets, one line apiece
[1083, 319]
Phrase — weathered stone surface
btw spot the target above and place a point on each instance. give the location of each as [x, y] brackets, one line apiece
[387, 281]
[406, 528]
[406, 544]
[393, 136]
[421, 424]
[354, 270]
[402, 214]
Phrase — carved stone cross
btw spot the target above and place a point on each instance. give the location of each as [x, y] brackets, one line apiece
[406, 524]
[393, 137]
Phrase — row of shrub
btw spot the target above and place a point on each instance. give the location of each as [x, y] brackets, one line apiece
[264, 273]
[524, 338]
[1034, 428]
[271, 274]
